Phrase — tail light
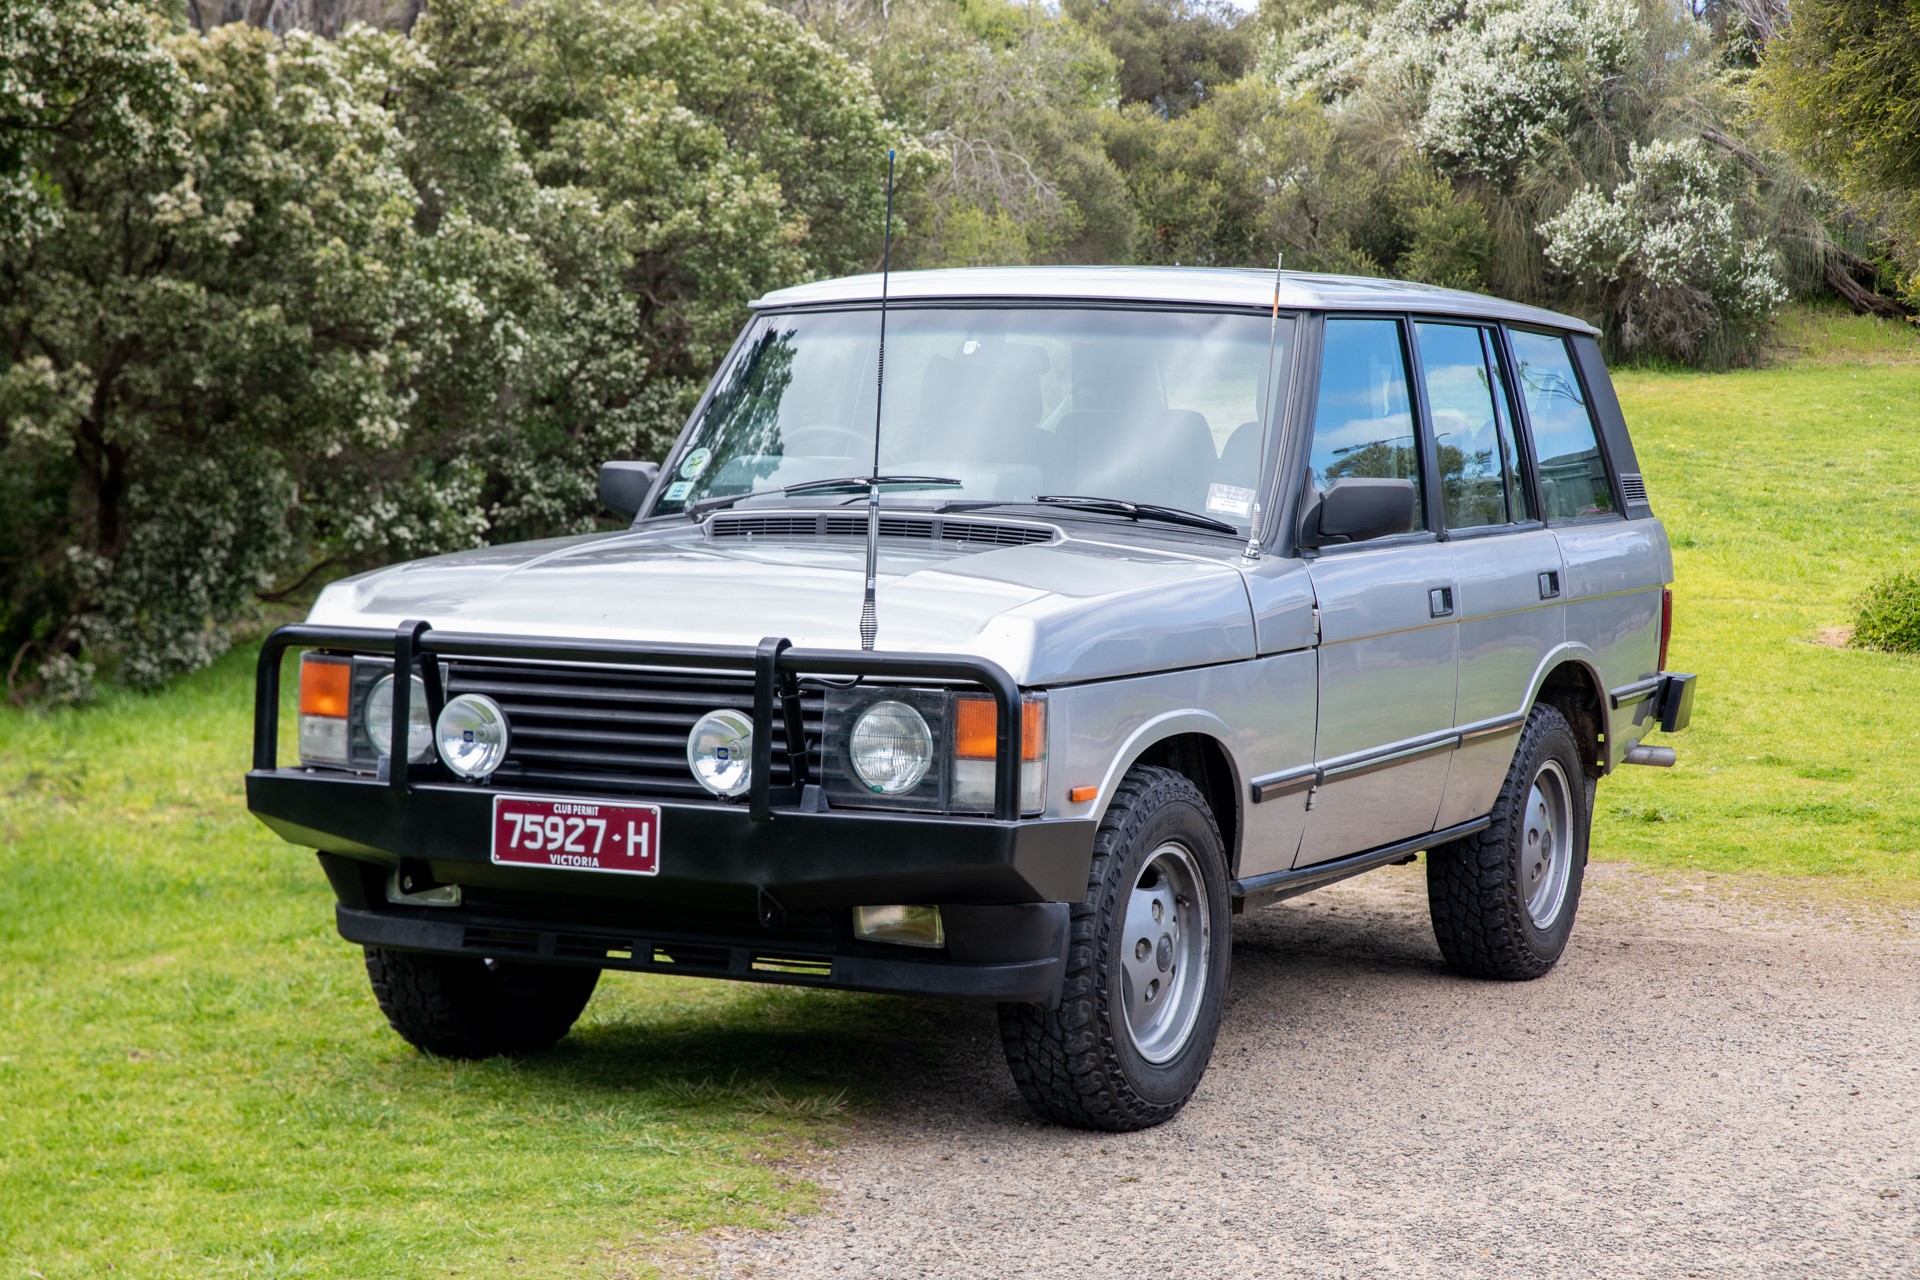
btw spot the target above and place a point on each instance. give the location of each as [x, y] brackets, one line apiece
[1666, 625]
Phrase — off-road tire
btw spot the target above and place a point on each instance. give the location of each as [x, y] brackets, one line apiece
[1475, 885]
[461, 1007]
[1077, 1064]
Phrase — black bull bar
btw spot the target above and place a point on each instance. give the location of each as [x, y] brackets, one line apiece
[774, 664]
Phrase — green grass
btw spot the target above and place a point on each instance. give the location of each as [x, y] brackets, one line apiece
[195, 1082]
[1786, 491]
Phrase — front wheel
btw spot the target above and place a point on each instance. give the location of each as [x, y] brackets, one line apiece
[1504, 898]
[1146, 968]
[462, 1007]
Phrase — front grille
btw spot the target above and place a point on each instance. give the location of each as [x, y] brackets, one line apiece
[608, 729]
[807, 528]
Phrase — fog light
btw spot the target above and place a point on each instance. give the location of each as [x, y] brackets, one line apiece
[379, 712]
[890, 748]
[472, 735]
[720, 752]
[908, 926]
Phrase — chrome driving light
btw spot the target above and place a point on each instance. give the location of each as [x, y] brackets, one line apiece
[890, 748]
[720, 752]
[379, 713]
[472, 735]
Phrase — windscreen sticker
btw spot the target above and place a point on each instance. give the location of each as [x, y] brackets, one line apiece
[1229, 500]
[695, 463]
[678, 490]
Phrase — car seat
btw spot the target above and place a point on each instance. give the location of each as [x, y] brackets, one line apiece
[986, 407]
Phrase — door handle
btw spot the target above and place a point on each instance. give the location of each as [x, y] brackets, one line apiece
[1440, 602]
[1550, 584]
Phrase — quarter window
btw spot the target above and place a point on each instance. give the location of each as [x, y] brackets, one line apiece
[1472, 431]
[1573, 475]
[1363, 426]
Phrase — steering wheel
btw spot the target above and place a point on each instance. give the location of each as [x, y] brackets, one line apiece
[794, 441]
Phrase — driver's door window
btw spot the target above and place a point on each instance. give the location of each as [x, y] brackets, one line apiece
[1363, 425]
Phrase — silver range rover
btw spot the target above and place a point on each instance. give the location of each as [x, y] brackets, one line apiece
[1007, 659]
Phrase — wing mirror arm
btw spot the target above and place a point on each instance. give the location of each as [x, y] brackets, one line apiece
[624, 486]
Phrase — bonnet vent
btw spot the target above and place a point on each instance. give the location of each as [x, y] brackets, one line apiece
[808, 528]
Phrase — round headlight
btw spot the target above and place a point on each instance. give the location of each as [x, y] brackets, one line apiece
[379, 709]
[890, 747]
[720, 752]
[472, 735]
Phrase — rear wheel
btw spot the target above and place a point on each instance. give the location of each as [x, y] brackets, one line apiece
[1504, 898]
[462, 1007]
[1146, 968]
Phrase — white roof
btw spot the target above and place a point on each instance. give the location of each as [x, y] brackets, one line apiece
[1213, 286]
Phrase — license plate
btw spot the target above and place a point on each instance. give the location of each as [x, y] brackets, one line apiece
[578, 835]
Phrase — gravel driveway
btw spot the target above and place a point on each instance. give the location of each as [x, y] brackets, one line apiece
[1716, 1081]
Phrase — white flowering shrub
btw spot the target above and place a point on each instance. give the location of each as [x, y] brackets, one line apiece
[1512, 75]
[1484, 85]
[1667, 259]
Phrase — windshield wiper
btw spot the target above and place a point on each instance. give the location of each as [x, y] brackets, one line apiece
[1108, 506]
[839, 484]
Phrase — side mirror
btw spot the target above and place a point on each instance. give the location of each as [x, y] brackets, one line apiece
[624, 486]
[1354, 510]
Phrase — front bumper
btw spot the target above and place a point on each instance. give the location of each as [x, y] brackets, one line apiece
[712, 856]
[760, 890]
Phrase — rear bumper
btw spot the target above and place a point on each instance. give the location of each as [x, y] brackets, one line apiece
[1665, 698]
[1673, 701]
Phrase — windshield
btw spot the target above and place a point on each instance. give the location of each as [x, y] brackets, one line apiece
[1013, 403]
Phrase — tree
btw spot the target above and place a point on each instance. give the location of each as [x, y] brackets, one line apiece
[1005, 103]
[208, 282]
[1251, 172]
[664, 164]
[1842, 84]
[1173, 54]
[274, 308]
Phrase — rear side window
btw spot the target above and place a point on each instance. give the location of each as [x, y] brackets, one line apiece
[1573, 475]
[1472, 429]
[1363, 426]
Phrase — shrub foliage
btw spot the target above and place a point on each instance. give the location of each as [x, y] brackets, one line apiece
[276, 307]
[1887, 616]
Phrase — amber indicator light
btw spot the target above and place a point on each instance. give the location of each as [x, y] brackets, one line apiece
[974, 723]
[1080, 795]
[325, 687]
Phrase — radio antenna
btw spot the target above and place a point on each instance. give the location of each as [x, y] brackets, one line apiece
[869, 617]
[1266, 413]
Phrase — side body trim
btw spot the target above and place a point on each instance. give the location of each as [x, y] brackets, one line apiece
[1629, 694]
[1284, 783]
[1398, 753]
[1497, 727]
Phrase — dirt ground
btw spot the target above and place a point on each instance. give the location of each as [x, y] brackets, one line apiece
[1719, 1079]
